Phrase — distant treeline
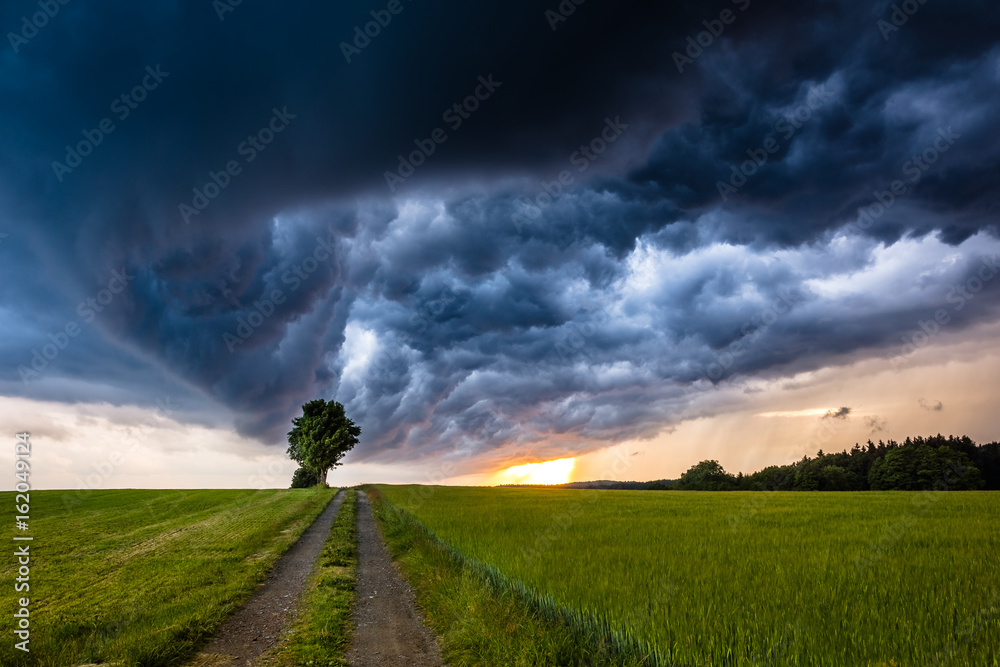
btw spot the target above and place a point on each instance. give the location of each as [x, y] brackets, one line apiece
[933, 463]
[912, 465]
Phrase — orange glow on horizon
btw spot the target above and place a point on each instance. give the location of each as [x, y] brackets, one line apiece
[546, 472]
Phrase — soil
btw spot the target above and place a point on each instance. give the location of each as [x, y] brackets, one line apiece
[260, 623]
[388, 630]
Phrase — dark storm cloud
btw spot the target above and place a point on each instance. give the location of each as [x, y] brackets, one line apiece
[839, 413]
[482, 332]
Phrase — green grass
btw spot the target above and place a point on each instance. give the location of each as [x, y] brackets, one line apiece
[477, 620]
[737, 578]
[322, 631]
[145, 577]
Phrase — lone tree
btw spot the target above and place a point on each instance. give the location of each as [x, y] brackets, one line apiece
[321, 437]
[303, 478]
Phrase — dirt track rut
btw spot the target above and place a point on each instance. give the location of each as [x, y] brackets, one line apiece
[388, 630]
[259, 623]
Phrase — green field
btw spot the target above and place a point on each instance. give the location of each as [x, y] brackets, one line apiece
[144, 577]
[755, 578]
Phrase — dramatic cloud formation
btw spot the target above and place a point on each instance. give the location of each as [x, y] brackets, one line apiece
[840, 413]
[489, 228]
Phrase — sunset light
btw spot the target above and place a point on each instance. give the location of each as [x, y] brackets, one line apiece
[547, 472]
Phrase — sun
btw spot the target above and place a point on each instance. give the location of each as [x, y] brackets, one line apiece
[547, 472]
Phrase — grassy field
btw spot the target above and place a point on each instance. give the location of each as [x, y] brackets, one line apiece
[745, 578]
[477, 624]
[144, 577]
[322, 631]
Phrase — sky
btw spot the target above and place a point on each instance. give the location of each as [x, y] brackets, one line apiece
[624, 237]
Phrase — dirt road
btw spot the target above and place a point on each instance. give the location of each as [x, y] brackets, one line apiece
[259, 624]
[388, 629]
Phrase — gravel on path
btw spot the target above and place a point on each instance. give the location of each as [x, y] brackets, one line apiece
[388, 630]
[259, 623]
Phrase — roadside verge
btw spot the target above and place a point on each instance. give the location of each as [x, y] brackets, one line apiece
[484, 619]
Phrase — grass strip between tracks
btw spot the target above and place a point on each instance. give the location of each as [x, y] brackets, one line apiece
[321, 634]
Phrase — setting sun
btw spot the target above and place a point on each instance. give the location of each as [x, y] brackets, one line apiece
[547, 472]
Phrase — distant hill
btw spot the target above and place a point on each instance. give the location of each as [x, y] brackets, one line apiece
[655, 485]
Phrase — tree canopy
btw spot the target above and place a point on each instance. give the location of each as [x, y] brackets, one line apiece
[933, 463]
[303, 478]
[321, 437]
[707, 476]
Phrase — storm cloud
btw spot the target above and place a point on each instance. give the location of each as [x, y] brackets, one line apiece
[594, 218]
